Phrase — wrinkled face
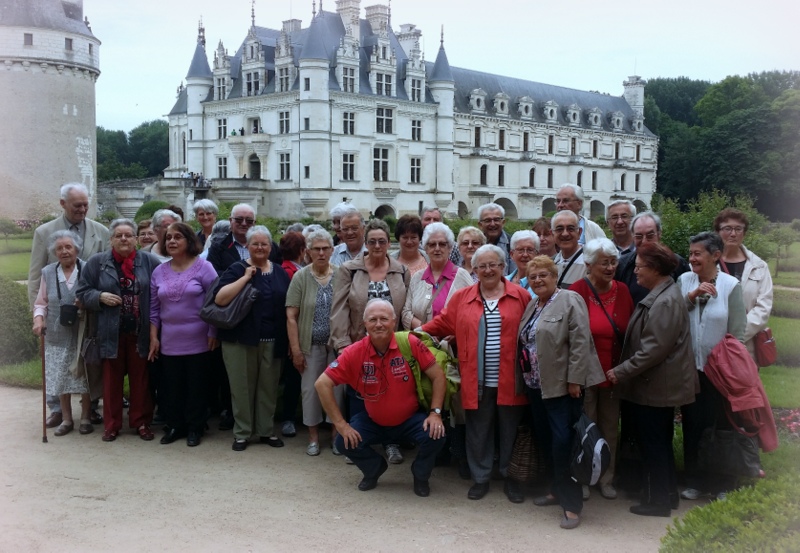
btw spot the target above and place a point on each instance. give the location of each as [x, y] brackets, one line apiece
[241, 221]
[320, 253]
[66, 252]
[732, 232]
[542, 282]
[646, 277]
[162, 228]
[147, 236]
[429, 217]
[259, 247]
[336, 225]
[123, 240]
[619, 220]
[489, 268]
[603, 269]
[377, 243]
[206, 219]
[379, 320]
[409, 241]
[491, 223]
[566, 199]
[353, 232]
[175, 243]
[468, 244]
[75, 206]
[547, 243]
[567, 233]
[645, 231]
[701, 260]
[523, 251]
[437, 248]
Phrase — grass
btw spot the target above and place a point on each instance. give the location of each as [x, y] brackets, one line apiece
[782, 385]
[786, 303]
[17, 244]
[23, 375]
[786, 332]
[15, 265]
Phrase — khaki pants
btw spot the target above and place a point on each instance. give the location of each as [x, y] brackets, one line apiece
[602, 406]
[253, 373]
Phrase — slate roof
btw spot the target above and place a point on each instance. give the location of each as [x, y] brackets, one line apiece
[441, 67]
[199, 67]
[57, 15]
[180, 105]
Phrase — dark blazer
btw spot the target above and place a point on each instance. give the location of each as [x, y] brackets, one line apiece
[626, 275]
[223, 254]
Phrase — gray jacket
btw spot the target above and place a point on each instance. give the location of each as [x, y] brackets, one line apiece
[100, 275]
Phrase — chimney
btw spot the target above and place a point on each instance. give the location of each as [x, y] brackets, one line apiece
[378, 17]
[409, 37]
[292, 26]
[350, 12]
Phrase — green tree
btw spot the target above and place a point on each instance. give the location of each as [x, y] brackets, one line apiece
[731, 94]
[149, 146]
[8, 228]
[679, 170]
[676, 97]
[783, 236]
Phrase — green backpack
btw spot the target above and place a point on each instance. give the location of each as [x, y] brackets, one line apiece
[444, 359]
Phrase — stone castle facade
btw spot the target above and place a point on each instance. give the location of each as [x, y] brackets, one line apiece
[49, 63]
[299, 119]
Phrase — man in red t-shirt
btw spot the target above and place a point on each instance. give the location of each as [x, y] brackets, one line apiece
[375, 368]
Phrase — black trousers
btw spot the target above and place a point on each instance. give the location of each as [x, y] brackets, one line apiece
[183, 390]
[654, 430]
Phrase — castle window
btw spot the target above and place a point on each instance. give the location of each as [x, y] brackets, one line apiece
[383, 84]
[594, 148]
[580, 179]
[285, 166]
[416, 90]
[550, 144]
[383, 52]
[638, 152]
[416, 170]
[306, 123]
[67, 44]
[307, 171]
[283, 79]
[502, 140]
[348, 79]
[616, 150]
[222, 167]
[222, 128]
[531, 177]
[526, 141]
[28, 39]
[484, 171]
[91, 50]
[549, 178]
[222, 88]
[501, 175]
[622, 182]
[573, 146]
[383, 120]
[594, 180]
[349, 122]
[283, 122]
[380, 164]
[306, 84]
[636, 182]
[348, 167]
[477, 137]
[416, 130]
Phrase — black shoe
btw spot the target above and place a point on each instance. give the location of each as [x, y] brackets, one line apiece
[674, 500]
[367, 484]
[463, 469]
[421, 487]
[513, 491]
[173, 435]
[239, 445]
[649, 510]
[226, 421]
[193, 439]
[95, 417]
[158, 419]
[273, 442]
[477, 491]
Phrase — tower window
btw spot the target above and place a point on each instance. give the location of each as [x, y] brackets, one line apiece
[67, 44]
[28, 39]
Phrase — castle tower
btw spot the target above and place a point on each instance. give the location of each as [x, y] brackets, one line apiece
[49, 63]
[199, 81]
[442, 87]
[634, 93]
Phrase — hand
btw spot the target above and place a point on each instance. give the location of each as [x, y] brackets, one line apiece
[350, 436]
[213, 343]
[574, 390]
[612, 376]
[299, 361]
[154, 348]
[39, 326]
[433, 426]
[107, 298]
[250, 272]
[704, 288]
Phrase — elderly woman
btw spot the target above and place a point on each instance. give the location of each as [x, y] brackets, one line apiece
[162, 219]
[293, 252]
[610, 306]
[308, 310]
[145, 234]
[408, 232]
[205, 211]
[484, 318]
[716, 308]
[749, 269]
[56, 289]
[558, 359]
[178, 290]
[373, 274]
[253, 349]
[547, 240]
[116, 285]
[656, 374]
[468, 241]
[524, 247]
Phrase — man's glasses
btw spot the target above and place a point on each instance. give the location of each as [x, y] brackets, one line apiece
[492, 220]
[623, 217]
[570, 229]
[649, 236]
[381, 242]
[529, 251]
[320, 250]
[243, 220]
[474, 243]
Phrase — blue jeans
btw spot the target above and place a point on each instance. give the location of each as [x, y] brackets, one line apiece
[370, 462]
[563, 412]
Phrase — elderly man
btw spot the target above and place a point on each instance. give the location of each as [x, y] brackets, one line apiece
[569, 259]
[570, 197]
[377, 370]
[352, 228]
[162, 219]
[618, 216]
[524, 247]
[233, 247]
[75, 203]
[646, 227]
[491, 220]
[431, 215]
[336, 221]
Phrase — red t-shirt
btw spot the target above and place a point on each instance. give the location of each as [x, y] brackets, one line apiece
[384, 381]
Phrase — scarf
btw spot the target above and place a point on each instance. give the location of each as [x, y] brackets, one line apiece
[126, 263]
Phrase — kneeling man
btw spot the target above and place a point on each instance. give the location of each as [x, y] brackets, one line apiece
[377, 371]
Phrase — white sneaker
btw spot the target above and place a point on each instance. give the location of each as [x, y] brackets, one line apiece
[691, 494]
[335, 449]
[312, 449]
[349, 461]
[288, 430]
[393, 454]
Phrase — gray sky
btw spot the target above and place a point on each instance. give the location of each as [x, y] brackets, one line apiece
[147, 45]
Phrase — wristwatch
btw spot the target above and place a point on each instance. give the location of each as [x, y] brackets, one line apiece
[436, 411]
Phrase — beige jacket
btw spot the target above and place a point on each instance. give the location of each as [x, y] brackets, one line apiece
[350, 299]
[420, 293]
[757, 293]
[564, 345]
[658, 368]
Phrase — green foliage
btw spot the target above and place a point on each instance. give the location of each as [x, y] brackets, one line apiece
[731, 94]
[786, 332]
[796, 224]
[783, 236]
[17, 342]
[148, 208]
[8, 228]
[675, 98]
[15, 265]
[23, 375]
[392, 222]
[144, 152]
[782, 384]
[149, 146]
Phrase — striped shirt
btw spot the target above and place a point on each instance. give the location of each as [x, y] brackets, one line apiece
[491, 351]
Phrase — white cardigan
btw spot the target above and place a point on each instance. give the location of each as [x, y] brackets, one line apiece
[418, 298]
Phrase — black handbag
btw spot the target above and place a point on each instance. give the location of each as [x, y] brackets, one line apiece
[228, 316]
[729, 452]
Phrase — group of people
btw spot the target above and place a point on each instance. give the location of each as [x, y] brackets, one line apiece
[546, 323]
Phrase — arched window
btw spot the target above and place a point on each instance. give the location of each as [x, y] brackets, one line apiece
[531, 177]
[484, 170]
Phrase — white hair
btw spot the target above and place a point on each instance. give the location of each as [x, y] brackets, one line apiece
[205, 205]
[349, 210]
[565, 213]
[258, 229]
[524, 235]
[318, 234]
[647, 215]
[577, 190]
[487, 249]
[631, 207]
[435, 228]
[598, 246]
[58, 235]
[159, 215]
[381, 301]
[338, 209]
[70, 186]
[494, 207]
[240, 207]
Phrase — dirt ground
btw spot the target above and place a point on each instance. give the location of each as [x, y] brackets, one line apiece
[78, 493]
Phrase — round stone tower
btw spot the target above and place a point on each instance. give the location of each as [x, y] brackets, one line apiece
[49, 63]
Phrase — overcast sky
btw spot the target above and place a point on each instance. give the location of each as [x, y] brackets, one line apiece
[147, 45]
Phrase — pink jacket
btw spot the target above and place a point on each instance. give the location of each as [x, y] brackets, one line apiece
[733, 372]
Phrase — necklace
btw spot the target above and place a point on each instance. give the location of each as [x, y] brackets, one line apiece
[324, 275]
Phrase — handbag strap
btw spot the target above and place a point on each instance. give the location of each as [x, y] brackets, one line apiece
[724, 266]
[58, 287]
[569, 265]
[617, 332]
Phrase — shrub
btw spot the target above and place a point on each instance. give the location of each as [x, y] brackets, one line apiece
[148, 208]
[17, 342]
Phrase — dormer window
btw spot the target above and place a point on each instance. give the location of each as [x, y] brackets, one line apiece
[595, 117]
[550, 111]
[637, 123]
[616, 119]
[525, 107]
[573, 115]
[501, 103]
[477, 99]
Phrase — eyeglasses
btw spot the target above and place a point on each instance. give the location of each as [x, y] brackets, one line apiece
[124, 237]
[381, 242]
[639, 267]
[623, 217]
[320, 250]
[492, 220]
[476, 243]
[608, 263]
[650, 236]
[565, 200]
[570, 229]
[350, 229]
[489, 266]
[243, 220]
[729, 229]
[538, 276]
[147, 233]
[434, 245]
[529, 251]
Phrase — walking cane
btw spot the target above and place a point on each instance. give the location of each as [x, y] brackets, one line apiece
[44, 394]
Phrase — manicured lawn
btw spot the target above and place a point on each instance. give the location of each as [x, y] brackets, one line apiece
[15, 265]
[782, 385]
[24, 375]
[786, 303]
[787, 336]
[17, 244]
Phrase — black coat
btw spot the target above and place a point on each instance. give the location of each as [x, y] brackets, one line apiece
[224, 254]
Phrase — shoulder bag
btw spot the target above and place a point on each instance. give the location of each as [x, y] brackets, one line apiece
[228, 316]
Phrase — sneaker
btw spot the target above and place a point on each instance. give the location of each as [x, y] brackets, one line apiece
[722, 496]
[691, 493]
[585, 492]
[335, 450]
[312, 449]
[288, 430]
[608, 491]
[393, 454]
[349, 461]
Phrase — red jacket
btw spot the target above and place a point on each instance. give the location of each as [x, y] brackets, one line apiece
[733, 372]
[461, 317]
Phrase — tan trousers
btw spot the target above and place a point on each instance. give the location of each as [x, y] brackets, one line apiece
[253, 373]
[602, 406]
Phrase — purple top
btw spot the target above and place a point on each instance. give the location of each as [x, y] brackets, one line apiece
[445, 282]
[175, 303]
